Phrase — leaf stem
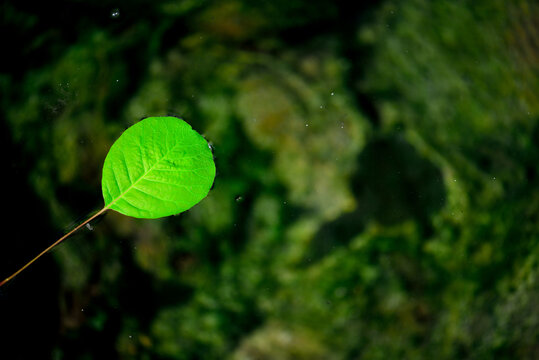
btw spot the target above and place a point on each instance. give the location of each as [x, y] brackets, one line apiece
[53, 245]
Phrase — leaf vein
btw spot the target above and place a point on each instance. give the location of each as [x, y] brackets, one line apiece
[152, 195]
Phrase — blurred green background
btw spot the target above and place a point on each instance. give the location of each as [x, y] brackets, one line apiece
[377, 194]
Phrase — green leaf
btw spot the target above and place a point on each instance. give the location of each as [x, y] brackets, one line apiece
[158, 167]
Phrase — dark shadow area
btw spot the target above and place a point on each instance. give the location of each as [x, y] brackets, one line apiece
[33, 294]
[392, 184]
[351, 14]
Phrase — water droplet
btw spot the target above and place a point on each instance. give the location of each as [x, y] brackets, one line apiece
[342, 125]
[115, 13]
[332, 93]
[239, 199]
[130, 336]
[117, 80]
[284, 202]
[494, 178]
[82, 310]
[307, 125]
[455, 180]
[321, 106]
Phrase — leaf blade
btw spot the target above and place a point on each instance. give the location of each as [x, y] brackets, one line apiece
[169, 152]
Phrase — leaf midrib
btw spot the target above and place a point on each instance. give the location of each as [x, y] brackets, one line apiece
[141, 177]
